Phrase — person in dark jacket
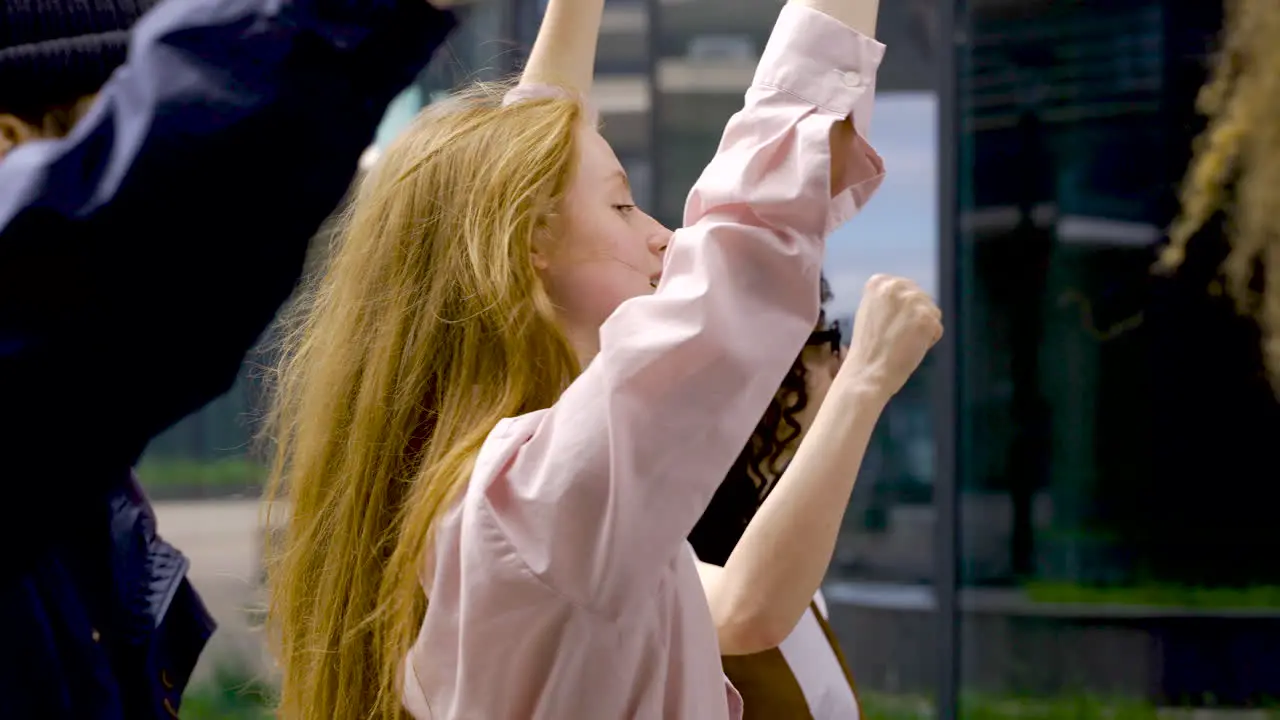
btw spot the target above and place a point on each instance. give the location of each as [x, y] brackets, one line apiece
[154, 214]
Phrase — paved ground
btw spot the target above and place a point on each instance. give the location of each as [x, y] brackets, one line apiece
[221, 538]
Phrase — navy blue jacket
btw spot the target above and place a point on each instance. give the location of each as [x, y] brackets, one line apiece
[140, 258]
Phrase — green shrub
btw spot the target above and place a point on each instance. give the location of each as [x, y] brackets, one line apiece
[229, 696]
[160, 473]
[1261, 596]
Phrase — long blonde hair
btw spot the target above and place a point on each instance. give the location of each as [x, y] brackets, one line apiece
[427, 327]
[1236, 168]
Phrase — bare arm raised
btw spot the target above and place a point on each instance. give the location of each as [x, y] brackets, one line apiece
[777, 566]
[857, 14]
[564, 53]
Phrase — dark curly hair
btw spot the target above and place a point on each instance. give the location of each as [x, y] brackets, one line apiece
[1236, 169]
[751, 477]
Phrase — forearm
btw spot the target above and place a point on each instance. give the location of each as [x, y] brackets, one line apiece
[777, 566]
[564, 52]
[858, 14]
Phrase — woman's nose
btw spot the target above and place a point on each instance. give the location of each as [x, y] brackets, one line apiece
[660, 237]
[659, 241]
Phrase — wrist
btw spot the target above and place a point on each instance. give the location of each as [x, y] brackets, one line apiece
[864, 389]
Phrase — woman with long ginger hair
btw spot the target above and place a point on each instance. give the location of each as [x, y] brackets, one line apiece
[494, 434]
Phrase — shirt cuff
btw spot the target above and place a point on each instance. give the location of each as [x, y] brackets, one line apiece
[822, 61]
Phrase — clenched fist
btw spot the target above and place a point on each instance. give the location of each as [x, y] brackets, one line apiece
[895, 326]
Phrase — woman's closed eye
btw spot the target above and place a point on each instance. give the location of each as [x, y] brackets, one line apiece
[624, 208]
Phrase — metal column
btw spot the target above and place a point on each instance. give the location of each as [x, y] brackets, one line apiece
[952, 47]
[652, 56]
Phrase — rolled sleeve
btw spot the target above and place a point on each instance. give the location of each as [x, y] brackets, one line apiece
[633, 451]
[837, 74]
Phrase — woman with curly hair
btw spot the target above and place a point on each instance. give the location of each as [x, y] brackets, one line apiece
[802, 674]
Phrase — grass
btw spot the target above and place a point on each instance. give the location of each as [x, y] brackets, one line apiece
[228, 697]
[976, 706]
[1261, 596]
[232, 697]
[163, 473]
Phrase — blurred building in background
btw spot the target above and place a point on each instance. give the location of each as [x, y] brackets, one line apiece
[1109, 429]
[1093, 536]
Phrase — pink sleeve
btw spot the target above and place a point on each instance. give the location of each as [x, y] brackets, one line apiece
[600, 497]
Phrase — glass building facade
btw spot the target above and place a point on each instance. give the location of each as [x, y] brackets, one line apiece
[1068, 511]
[1104, 429]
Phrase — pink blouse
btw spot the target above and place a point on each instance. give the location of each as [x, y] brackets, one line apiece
[561, 586]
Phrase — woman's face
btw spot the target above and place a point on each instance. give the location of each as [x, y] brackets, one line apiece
[603, 250]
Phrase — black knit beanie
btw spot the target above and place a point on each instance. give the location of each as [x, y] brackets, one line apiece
[53, 52]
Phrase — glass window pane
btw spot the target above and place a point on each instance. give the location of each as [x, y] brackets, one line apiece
[1117, 540]
[882, 576]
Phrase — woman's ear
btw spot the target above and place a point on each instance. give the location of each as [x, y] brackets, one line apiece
[15, 131]
[540, 253]
[544, 242]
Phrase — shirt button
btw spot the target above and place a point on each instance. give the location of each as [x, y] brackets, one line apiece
[95, 635]
[851, 78]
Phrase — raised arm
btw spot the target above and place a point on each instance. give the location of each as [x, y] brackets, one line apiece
[604, 488]
[564, 53]
[770, 577]
[859, 15]
[141, 256]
